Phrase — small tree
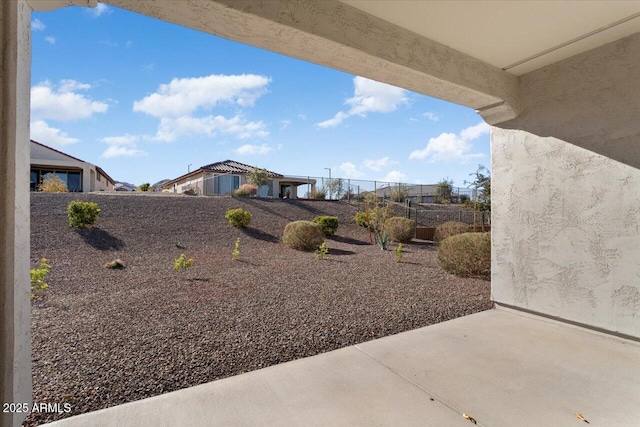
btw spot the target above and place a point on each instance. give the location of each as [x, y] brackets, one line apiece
[258, 177]
[444, 190]
[482, 189]
[399, 193]
[51, 183]
[144, 187]
[334, 187]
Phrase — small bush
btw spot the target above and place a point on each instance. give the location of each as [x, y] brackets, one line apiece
[144, 187]
[51, 183]
[362, 219]
[303, 235]
[37, 277]
[450, 228]
[246, 190]
[399, 252]
[400, 230]
[467, 254]
[82, 214]
[328, 224]
[318, 194]
[239, 218]
[236, 250]
[182, 263]
[322, 251]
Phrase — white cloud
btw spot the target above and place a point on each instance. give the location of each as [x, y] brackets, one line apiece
[50, 39]
[285, 124]
[449, 147]
[99, 10]
[37, 25]
[349, 170]
[184, 96]
[121, 140]
[63, 103]
[171, 128]
[302, 116]
[379, 164]
[395, 176]
[369, 97]
[431, 116]
[249, 149]
[121, 151]
[122, 146]
[42, 132]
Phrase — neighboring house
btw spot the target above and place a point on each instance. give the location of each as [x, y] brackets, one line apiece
[425, 193]
[80, 176]
[225, 177]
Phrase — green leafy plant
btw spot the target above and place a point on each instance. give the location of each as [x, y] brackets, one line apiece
[246, 190]
[467, 254]
[382, 240]
[399, 252]
[362, 219]
[182, 263]
[444, 191]
[52, 183]
[328, 224]
[303, 235]
[236, 250]
[450, 228]
[322, 251]
[37, 277]
[144, 187]
[377, 214]
[400, 230]
[399, 193]
[82, 214]
[258, 177]
[239, 218]
[334, 188]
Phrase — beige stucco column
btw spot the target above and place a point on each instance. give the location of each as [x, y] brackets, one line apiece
[15, 354]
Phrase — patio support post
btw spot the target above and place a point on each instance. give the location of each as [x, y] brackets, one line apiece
[15, 351]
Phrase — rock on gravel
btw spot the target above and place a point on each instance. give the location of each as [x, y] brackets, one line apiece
[103, 337]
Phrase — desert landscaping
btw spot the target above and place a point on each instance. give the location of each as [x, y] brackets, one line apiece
[102, 337]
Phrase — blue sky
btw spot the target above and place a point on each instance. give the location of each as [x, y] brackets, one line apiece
[145, 99]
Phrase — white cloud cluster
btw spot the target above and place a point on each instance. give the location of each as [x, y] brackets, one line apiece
[37, 25]
[379, 164]
[449, 147]
[369, 97]
[122, 146]
[349, 170]
[40, 131]
[431, 116]
[99, 10]
[395, 176]
[50, 40]
[180, 103]
[61, 102]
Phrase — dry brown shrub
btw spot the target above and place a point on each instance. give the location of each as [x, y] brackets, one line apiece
[303, 235]
[450, 228]
[400, 230]
[467, 254]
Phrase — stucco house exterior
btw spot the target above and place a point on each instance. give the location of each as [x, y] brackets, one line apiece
[225, 177]
[80, 176]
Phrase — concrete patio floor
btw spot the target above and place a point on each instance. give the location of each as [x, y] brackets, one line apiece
[502, 368]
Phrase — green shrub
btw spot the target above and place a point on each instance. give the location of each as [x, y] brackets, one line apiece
[37, 277]
[246, 190]
[362, 219]
[239, 218]
[322, 251]
[400, 230]
[303, 235]
[467, 254]
[182, 263]
[144, 187]
[399, 252]
[450, 228]
[236, 250]
[328, 224]
[51, 183]
[82, 214]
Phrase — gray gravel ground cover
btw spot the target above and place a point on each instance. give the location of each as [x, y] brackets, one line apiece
[104, 337]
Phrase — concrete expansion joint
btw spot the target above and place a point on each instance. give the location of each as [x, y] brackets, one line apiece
[433, 397]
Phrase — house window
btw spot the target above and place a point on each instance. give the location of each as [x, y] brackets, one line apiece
[98, 176]
[72, 178]
[228, 183]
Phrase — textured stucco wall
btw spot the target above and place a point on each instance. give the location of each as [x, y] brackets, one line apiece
[566, 231]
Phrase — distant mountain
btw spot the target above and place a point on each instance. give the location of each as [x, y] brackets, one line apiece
[157, 185]
[124, 186]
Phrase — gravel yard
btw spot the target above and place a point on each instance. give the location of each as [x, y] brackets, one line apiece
[104, 337]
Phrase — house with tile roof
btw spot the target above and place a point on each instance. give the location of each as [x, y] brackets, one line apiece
[80, 176]
[223, 178]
